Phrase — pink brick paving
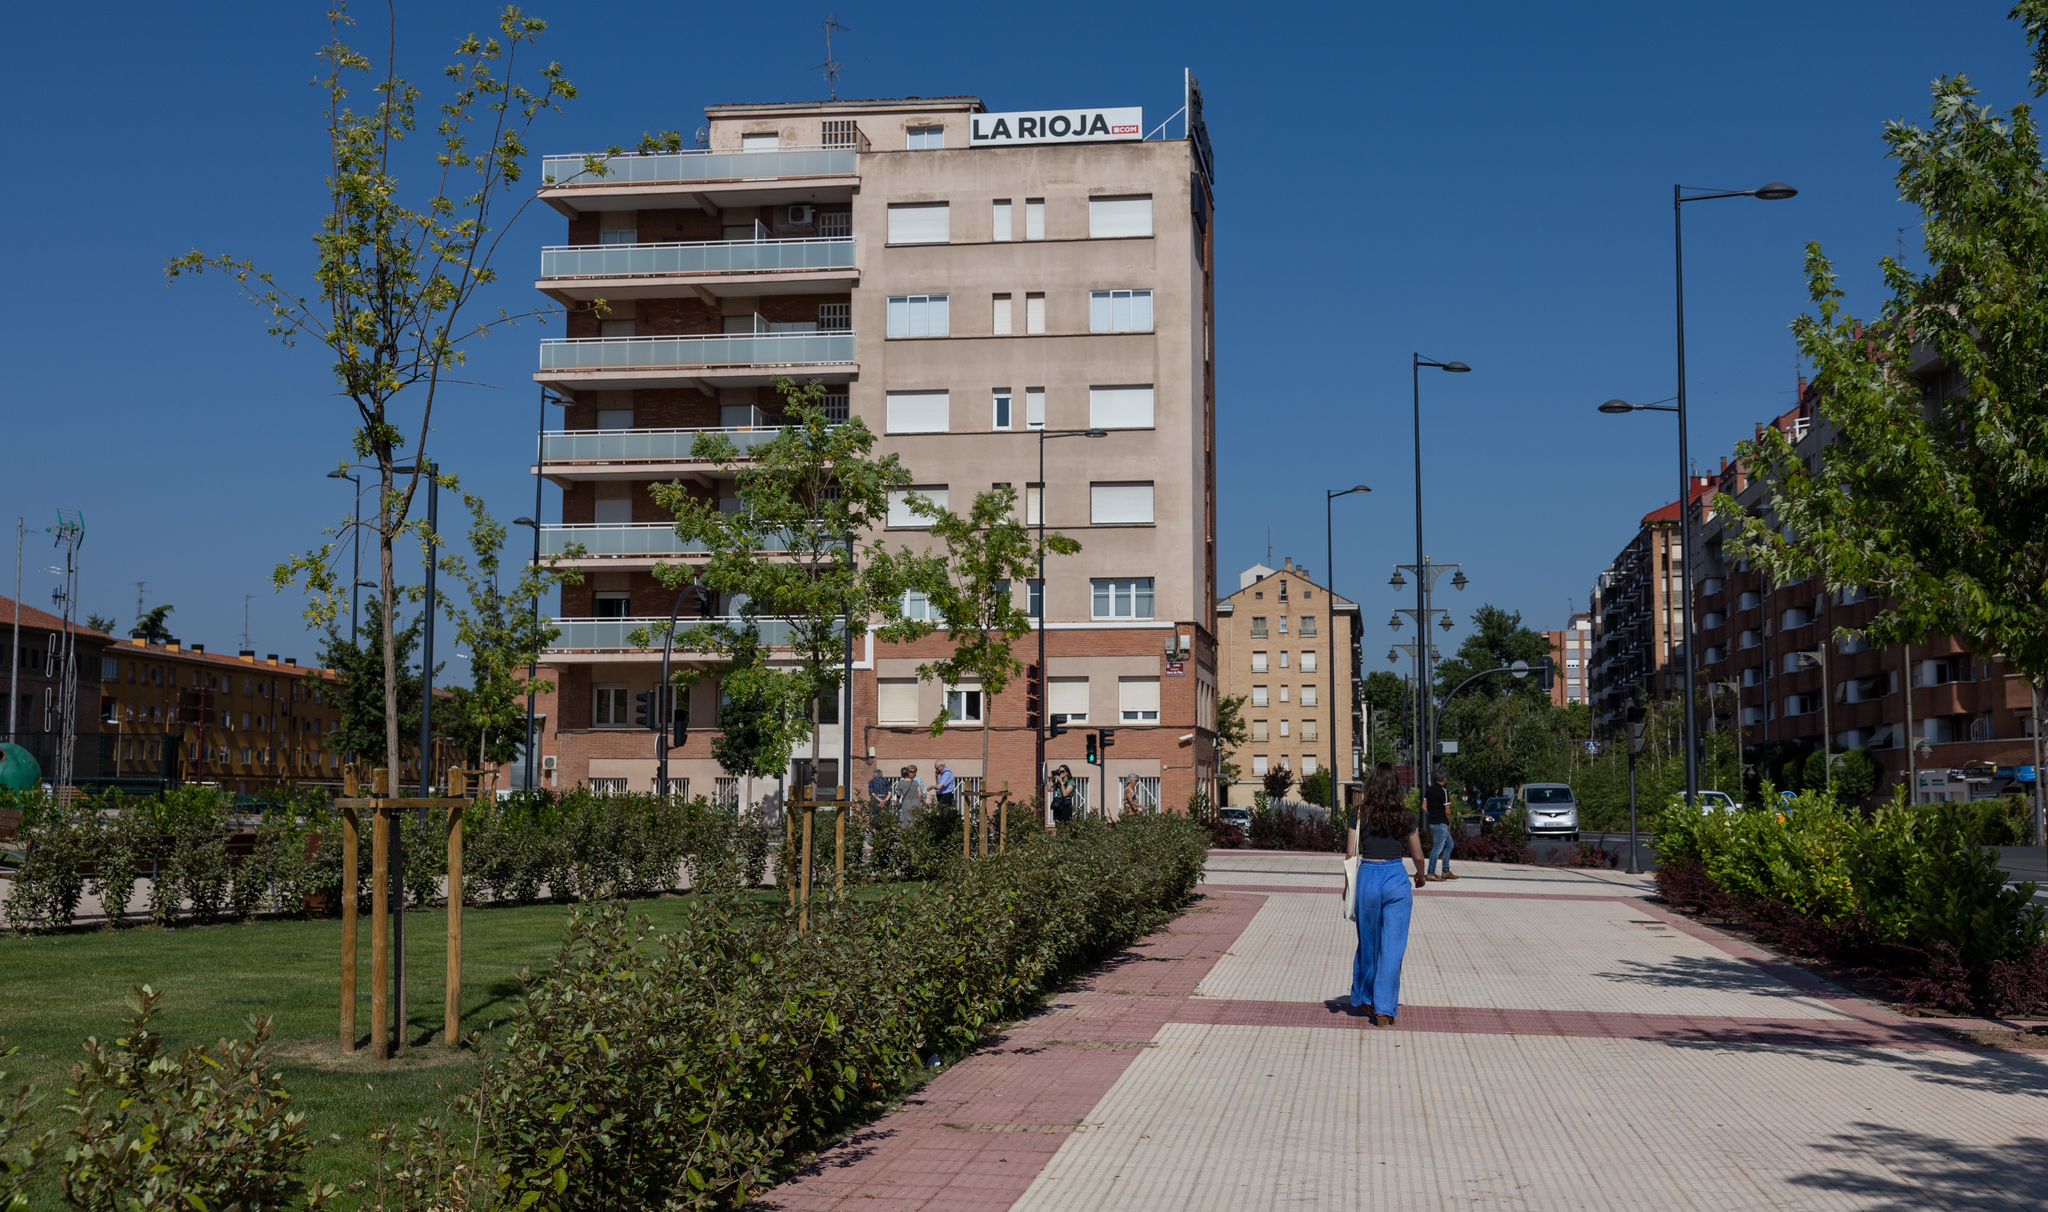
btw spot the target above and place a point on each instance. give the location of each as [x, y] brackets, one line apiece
[979, 1134]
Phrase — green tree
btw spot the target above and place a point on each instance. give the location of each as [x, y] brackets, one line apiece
[1392, 701]
[793, 550]
[758, 720]
[1501, 741]
[1315, 788]
[1856, 774]
[504, 635]
[1231, 732]
[1931, 494]
[101, 623]
[394, 282]
[1277, 780]
[363, 695]
[153, 625]
[1497, 638]
[969, 577]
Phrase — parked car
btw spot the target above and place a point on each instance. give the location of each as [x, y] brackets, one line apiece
[1493, 810]
[1553, 810]
[1714, 801]
[1239, 817]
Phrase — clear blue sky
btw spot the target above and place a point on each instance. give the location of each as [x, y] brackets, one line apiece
[1486, 182]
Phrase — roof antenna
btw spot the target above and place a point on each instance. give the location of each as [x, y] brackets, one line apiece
[831, 66]
[246, 599]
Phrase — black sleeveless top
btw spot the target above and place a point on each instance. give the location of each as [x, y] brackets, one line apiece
[1378, 849]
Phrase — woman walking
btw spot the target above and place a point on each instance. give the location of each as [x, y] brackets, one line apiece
[1385, 899]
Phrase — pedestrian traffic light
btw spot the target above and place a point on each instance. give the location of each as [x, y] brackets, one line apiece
[1034, 702]
[1108, 738]
[1094, 752]
[644, 715]
[1636, 723]
[1546, 674]
[1055, 726]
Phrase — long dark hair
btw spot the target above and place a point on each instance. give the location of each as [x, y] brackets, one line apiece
[1385, 813]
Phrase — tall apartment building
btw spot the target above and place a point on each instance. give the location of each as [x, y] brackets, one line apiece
[1638, 624]
[1571, 653]
[1770, 665]
[962, 282]
[1290, 648]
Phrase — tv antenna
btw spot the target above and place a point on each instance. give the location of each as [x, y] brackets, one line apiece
[246, 599]
[141, 595]
[831, 66]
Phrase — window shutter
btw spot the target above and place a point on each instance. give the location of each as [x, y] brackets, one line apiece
[920, 223]
[896, 700]
[1002, 225]
[900, 513]
[918, 411]
[1114, 504]
[1113, 217]
[1120, 407]
[1070, 697]
[1138, 696]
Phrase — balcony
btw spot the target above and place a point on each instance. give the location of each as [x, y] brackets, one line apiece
[617, 544]
[702, 178]
[728, 360]
[717, 267]
[637, 454]
[595, 639]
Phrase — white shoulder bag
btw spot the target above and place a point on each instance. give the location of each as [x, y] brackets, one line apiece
[1351, 889]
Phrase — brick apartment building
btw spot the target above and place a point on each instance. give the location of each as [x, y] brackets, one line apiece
[1290, 648]
[1638, 626]
[959, 281]
[33, 717]
[1571, 653]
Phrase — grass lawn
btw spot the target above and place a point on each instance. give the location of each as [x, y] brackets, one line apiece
[59, 989]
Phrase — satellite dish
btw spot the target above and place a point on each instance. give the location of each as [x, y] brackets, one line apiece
[701, 136]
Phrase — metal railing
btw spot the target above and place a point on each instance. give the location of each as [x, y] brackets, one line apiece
[726, 349]
[616, 635]
[648, 445]
[685, 167]
[700, 257]
[612, 539]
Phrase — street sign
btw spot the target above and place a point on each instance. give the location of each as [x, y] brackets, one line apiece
[1520, 669]
[1593, 747]
[1446, 748]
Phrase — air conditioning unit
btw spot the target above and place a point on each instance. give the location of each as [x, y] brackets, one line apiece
[547, 763]
[802, 216]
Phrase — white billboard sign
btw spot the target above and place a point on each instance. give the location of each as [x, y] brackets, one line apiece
[1057, 126]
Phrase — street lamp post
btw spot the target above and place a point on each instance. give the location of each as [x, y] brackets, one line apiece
[1038, 619]
[533, 657]
[1422, 586]
[1819, 656]
[1330, 620]
[355, 576]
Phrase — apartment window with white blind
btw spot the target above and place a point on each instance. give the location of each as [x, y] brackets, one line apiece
[1129, 598]
[1259, 696]
[1069, 700]
[1309, 731]
[1283, 659]
[1309, 695]
[1000, 228]
[1109, 218]
[1034, 503]
[999, 318]
[1034, 408]
[759, 143]
[925, 138]
[920, 223]
[1120, 504]
[1120, 407]
[919, 316]
[1308, 662]
[1308, 762]
[1034, 314]
[1258, 662]
[1000, 407]
[1137, 700]
[900, 513]
[618, 227]
[1034, 218]
[1260, 731]
[1120, 311]
[896, 701]
[612, 604]
[918, 411]
[1284, 691]
[1284, 729]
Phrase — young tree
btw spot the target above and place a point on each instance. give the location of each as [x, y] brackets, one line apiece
[1392, 703]
[394, 282]
[1931, 495]
[759, 720]
[504, 636]
[1231, 732]
[1277, 780]
[1315, 788]
[153, 625]
[969, 576]
[794, 551]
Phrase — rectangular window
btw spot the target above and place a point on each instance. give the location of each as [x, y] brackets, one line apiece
[1309, 695]
[1308, 763]
[1283, 659]
[1109, 218]
[1069, 700]
[1000, 409]
[1284, 729]
[1284, 692]
[1120, 311]
[1120, 407]
[1120, 504]
[1037, 603]
[919, 316]
[999, 319]
[1000, 228]
[1308, 662]
[613, 604]
[1034, 218]
[920, 223]
[1258, 627]
[836, 317]
[1034, 503]
[925, 138]
[900, 513]
[760, 143]
[917, 607]
[1034, 314]
[1259, 765]
[1259, 696]
[841, 132]
[1034, 408]
[1260, 731]
[618, 227]
[1138, 700]
[896, 701]
[1309, 731]
[963, 704]
[1258, 662]
[608, 707]
[1123, 599]
[1308, 623]
[1283, 618]
[918, 412]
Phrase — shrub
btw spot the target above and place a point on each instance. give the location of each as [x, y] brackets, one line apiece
[686, 1070]
[201, 1128]
[57, 840]
[21, 1153]
[1277, 828]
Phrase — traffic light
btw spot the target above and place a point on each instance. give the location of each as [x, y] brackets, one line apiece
[1055, 727]
[644, 715]
[1636, 724]
[1108, 736]
[1546, 674]
[1034, 702]
[678, 717]
[1094, 752]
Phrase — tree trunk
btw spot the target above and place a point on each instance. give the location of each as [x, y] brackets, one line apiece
[386, 591]
[988, 719]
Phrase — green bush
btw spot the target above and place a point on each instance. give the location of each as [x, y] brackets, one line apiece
[686, 1070]
[58, 842]
[21, 1152]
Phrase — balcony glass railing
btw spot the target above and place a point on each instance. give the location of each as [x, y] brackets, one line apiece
[640, 445]
[707, 257]
[683, 168]
[603, 539]
[730, 349]
[616, 635]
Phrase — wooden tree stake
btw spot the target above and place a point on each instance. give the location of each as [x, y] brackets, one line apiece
[803, 921]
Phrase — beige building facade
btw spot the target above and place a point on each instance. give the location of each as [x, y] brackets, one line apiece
[1290, 649]
[965, 284]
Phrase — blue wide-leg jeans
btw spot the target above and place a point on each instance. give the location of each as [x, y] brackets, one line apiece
[1386, 899]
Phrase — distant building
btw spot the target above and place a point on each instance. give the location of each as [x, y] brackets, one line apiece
[33, 718]
[1290, 648]
[1571, 654]
[1638, 625]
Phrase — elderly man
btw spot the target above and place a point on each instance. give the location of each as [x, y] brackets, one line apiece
[948, 785]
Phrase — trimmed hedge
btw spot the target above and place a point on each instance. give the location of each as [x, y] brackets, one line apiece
[1911, 895]
[687, 1070]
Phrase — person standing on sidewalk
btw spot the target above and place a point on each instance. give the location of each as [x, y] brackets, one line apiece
[1385, 901]
[1438, 797]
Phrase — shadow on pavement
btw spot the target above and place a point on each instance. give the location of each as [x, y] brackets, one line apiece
[1933, 1172]
[1975, 1070]
[1698, 972]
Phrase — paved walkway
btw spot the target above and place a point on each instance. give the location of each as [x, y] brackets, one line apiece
[1566, 1044]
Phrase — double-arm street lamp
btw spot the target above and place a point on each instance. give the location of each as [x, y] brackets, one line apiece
[355, 599]
[1776, 191]
[1330, 625]
[1426, 573]
[1038, 612]
[1423, 581]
